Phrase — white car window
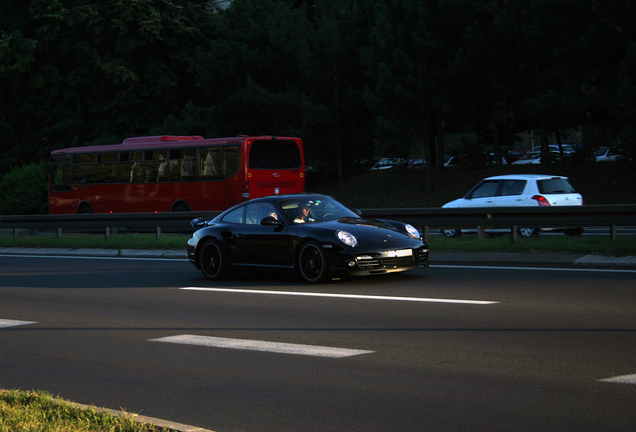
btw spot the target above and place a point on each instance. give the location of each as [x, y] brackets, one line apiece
[486, 189]
[513, 187]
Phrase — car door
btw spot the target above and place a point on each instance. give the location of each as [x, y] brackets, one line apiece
[511, 193]
[262, 245]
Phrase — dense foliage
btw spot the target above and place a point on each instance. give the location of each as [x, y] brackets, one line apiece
[23, 190]
[355, 79]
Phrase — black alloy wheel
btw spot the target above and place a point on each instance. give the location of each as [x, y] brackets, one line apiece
[312, 263]
[213, 260]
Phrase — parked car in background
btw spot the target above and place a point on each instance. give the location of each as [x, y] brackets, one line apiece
[386, 163]
[416, 162]
[521, 190]
[567, 149]
[534, 157]
[610, 154]
[515, 154]
[382, 164]
[312, 235]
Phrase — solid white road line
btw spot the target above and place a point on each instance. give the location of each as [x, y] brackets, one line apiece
[11, 323]
[622, 379]
[257, 345]
[346, 296]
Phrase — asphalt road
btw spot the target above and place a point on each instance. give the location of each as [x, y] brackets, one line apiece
[441, 349]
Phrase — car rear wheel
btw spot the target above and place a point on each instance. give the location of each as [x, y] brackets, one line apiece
[528, 232]
[312, 263]
[450, 233]
[213, 260]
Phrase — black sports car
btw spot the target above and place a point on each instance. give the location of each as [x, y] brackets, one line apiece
[314, 235]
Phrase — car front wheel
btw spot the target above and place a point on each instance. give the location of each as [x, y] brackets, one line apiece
[213, 260]
[312, 263]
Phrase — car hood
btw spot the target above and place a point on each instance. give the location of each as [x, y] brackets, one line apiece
[455, 203]
[367, 231]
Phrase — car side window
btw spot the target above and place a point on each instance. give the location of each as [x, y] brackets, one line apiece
[513, 187]
[235, 216]
[486, 189]
[258, 211]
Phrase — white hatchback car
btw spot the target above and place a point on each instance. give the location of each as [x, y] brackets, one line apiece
[530, 190]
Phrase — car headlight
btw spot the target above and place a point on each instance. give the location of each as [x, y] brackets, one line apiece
[347, 238]
[413, 232]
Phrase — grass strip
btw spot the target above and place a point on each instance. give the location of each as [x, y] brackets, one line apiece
[625, 245]
[36, 411]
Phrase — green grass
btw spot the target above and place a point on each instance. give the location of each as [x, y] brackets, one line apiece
[598, 244]
[77, 241]
[38, 411]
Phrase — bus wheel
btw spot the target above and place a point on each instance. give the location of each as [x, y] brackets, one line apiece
[84, 209]
[180, 207]
[312, 263]
[212, 260]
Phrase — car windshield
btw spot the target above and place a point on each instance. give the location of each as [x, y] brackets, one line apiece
[313, 209]
[555, 186]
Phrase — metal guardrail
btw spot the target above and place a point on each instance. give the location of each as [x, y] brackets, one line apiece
[423, 218]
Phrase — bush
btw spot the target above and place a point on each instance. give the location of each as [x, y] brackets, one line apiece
[23, 190]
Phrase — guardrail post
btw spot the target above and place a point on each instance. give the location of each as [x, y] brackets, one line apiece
[613, 233]
[107, 233]
[15, 233]
[480, 233]
[514, 234]
[426, 233]
[59, 233]
[158, 233]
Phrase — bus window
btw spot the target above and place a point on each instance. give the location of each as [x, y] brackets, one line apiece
[230, 160]
[83, 168]
[156, 165]
[130, 167]
[274, 154]
[61, 173]
[181, 165]
[107, 168]
[210, 163]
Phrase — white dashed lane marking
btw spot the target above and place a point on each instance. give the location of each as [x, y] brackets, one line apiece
[12, 323]
[622, 379]
[263, 346]
[343, 296]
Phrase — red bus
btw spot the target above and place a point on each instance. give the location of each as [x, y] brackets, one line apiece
[173, 173]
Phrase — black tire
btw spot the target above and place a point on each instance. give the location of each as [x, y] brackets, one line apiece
[213, 260]
[528, 232]
[85, 209]
[451, 232]
[180, 207]
[312, 263]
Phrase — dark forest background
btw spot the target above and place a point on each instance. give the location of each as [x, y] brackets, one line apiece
[355, 79]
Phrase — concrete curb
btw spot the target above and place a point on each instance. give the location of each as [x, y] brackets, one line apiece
[179, 427]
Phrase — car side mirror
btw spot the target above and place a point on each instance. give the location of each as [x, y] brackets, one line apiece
[269, 220]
